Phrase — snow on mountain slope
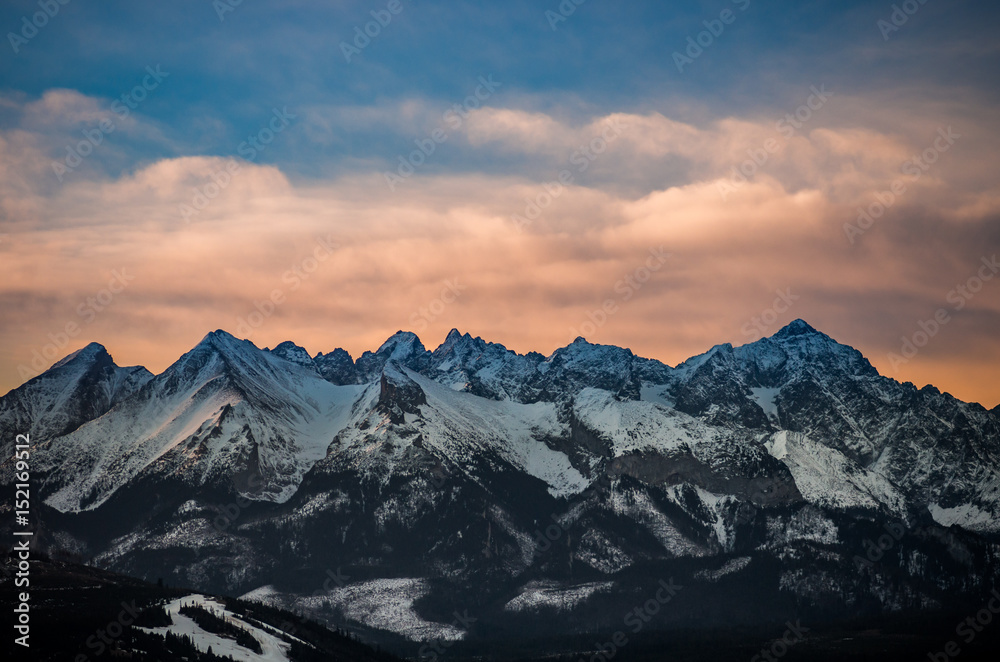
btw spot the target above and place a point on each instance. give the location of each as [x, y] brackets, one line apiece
[438, 476]
[223, 409]
[76, 389]
[386, 604]
[968, 516]
[923, 446]
[826, 477]
[717, 506]
[765, 399]
[655, 393]
[537, 595]
[630, 425]
[273, 649]
[293, 354]
[403, 347]
[729, 567]
[475, 366]
[465, 429]
[512, 429]
[227, 412]
[492, 371]
[581, 364]
[637, 505]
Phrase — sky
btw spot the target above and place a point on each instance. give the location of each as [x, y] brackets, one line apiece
[662, 176]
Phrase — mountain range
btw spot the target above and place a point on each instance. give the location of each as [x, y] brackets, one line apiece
[461, 493]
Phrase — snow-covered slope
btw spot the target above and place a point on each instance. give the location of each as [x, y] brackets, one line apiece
[828, 478]
[260, 419]
[273, 648]
[437, 472]
[225, 412]
[929, 446]
[77, 389]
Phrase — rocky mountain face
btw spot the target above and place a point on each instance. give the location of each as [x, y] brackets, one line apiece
[79, 388]
[782, 478]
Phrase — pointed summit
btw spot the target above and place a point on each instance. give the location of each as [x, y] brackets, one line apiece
[583, 351]
[400, 344]
[91, 352]
[451, 341]
[225, 345]
[80, 387]
[581, 364]
[293, 354]
[337, 367]
[797, 327]
[218, 336]
[218, 350]
[403, 347]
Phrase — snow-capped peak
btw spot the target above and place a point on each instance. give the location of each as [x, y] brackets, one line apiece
[78, 388]
[224, 341]
[293, 353]
[796, 327]
[453, 337]
[401, 345]
[90, 352]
